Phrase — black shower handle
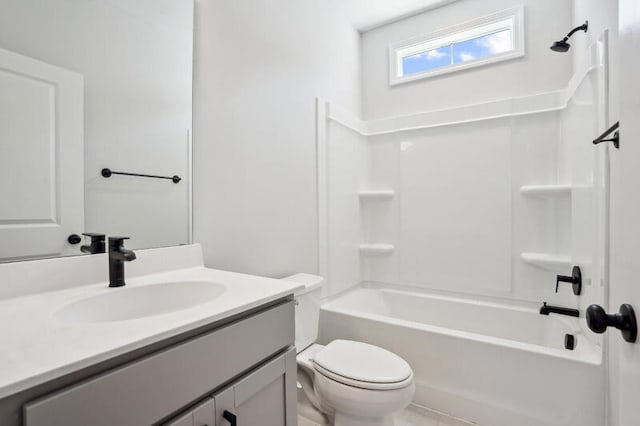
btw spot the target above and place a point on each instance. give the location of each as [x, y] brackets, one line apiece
[575, 280]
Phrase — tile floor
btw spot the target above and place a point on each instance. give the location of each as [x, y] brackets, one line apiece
[413, 416]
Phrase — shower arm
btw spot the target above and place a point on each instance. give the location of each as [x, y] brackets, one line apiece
[582, 27]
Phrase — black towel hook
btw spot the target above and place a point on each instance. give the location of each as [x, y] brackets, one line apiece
[615, 139]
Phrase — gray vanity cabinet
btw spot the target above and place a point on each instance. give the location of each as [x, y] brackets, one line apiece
[246, 367]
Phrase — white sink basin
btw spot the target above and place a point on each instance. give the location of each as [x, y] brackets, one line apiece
[131, 302]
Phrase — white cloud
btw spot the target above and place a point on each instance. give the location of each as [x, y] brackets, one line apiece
[435, 54]
[497, 43]
[430, 55]
[465, 56]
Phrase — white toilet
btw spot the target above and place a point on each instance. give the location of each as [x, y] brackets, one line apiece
[350, 383]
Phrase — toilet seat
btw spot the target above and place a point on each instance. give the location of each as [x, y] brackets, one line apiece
[362, 366]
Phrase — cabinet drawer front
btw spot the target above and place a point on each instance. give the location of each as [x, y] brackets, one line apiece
[147, 390]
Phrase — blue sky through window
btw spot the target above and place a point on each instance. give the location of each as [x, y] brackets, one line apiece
[468, 50]
[481, 47]
[425, 61]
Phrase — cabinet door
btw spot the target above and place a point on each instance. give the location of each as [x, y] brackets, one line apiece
[202, 415]
[266, 397]
[183, 420]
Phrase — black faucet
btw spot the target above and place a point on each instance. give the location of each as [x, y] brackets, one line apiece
[97, 244]
[117, 256]
[549, 309]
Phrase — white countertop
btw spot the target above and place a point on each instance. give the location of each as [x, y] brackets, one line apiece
[38, 347]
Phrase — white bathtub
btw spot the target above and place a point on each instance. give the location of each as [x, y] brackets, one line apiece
[487, 362]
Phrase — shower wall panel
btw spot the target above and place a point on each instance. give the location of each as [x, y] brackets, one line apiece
[455, 207]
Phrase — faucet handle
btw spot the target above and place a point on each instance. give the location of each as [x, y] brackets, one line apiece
[575, 280]
[97, 243]
[119, 238]
[115, 242]
[95, 238]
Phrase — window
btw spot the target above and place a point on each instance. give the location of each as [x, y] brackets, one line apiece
[490, 39]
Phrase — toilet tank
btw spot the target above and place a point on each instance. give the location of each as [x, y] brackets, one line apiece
[307, 308]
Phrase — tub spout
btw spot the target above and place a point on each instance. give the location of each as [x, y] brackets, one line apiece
[549, 309]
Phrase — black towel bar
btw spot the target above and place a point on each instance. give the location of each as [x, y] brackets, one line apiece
[106, 172]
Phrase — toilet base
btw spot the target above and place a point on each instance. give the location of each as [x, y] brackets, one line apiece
[308, 411]
[342, 419]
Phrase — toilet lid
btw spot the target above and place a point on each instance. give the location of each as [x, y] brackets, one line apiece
[363, 365]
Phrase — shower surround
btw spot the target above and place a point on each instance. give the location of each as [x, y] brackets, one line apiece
[471, 212]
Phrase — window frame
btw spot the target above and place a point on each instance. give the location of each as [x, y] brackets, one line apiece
[395, 49]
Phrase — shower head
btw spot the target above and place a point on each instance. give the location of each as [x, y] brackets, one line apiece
[562, 45]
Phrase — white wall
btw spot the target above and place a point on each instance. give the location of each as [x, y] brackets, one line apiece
[541, 70]
[453, 211]
[602, 15]
[137, 63]
[347, 159]
[259, 67]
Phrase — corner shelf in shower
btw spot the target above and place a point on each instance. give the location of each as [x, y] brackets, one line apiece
[554, 190]
[376, 249]
[381, 194]
[551, 262]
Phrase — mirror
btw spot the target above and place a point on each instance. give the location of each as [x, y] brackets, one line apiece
[89, 85]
